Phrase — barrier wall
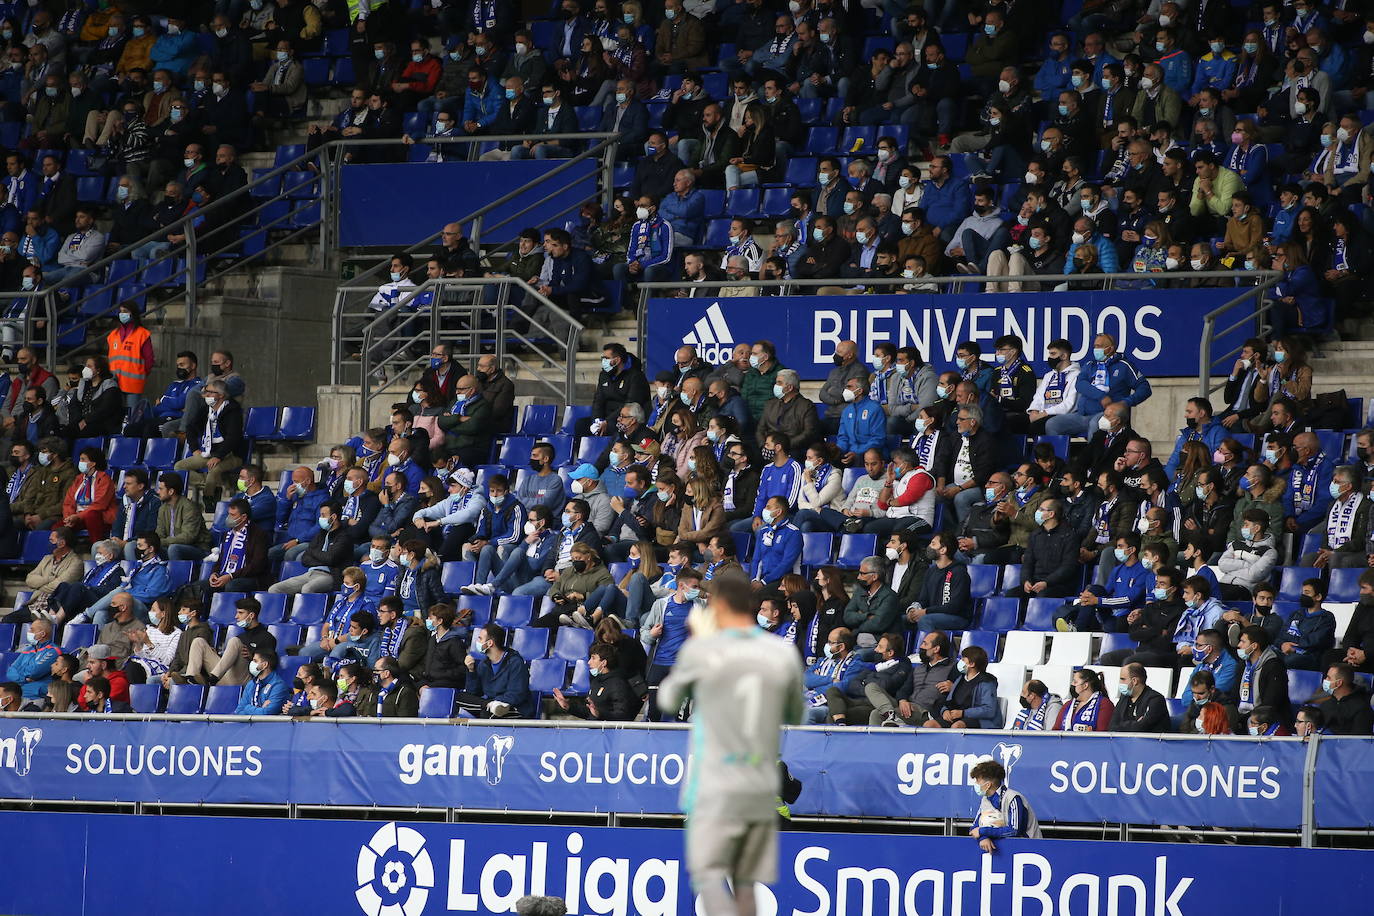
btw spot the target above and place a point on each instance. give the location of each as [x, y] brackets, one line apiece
[93, 864]
[1224, 782]
[1158, 329]
[399, 204]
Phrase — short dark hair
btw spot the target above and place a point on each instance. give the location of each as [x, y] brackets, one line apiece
[249, 604]
[173, 482]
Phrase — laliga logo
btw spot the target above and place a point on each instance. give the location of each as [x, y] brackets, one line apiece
[711, 337]
[1007, 755]
[395, 874]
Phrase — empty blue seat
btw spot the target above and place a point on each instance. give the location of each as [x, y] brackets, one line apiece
[77, 636]
[571, 415]
[515, 610]
[289, 152]
[1000, 615]
[854, 549]
[479, 606]
[1011, 576]
[260, 423]
[982, 580]
[776, 202]
[531, 642]
[297, 424]
[316, 71]
[286, 634]
[1332, 443]
[800, 173]
[515, 450]
[90, 189]
[562, 449]
[7, 636]
[572, 644]
[984, 639]
[810, 109]
[900, 134]
[1114, 642]
[184, 699]
[816, 548]
[858, 139]
[581, 681]
[179, 572]
[538, 420]
[1303, 686]
[36, 547]
[161, 454]
[145, 697]
[273, 607]
[743, 202]
[456, 574]
[223, 700]
[589, 448]
[436, 702]
[123, 452]
[547, 675]
[821, 141]
[1040, 613]
[1344, 587]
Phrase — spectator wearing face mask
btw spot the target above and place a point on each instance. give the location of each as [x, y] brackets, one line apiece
[1211, 712]
[663, 631]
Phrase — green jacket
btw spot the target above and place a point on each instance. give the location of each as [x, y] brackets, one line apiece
[43, 492]
[473, 431]
[186, 521]
[876, 614]
[757, 388]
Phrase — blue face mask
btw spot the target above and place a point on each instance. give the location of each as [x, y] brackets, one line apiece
[1039, 517]
[325, 524]
[817, 234]
[431, 625]
[989, 494]
[1099, 354]
[1159, 46]
[691, 594]
[829, 650]
[630, 494]
[764, 621]
[1120, 555]
[1200, 492]
[1063, 111]
[1035, 242]
[961, 362]
[1280, 355]
[1160, 593]
[1335, 489]
[566, 519]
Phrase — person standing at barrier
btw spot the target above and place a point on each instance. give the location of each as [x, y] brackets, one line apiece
[744, 685]
[1002, 812]
[1106, 378]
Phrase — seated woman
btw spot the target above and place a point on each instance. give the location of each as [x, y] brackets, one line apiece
[574, 584]
[90, 501]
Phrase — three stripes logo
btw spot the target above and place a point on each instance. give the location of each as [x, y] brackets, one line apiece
[711, 336]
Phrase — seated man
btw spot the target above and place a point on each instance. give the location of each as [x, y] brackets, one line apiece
[216, 439]
[1106, 607]
[944, 602]
[779, 544]
[172, 404]
[101, 666]
[971, 700]
[135, 514]
[31, 669]
[205, 666]
[96, 693]
[79, 251]
[984, 526]
[499, 685]
[265, 692]
[912, 702]
[1246, 563]
[148, 581]
[1347, 523]
[1311, 630]
[837, 669]
[1040, 709]
[180, 524]
[452, 521]
[872, 611]
[1140, 708]
[608, 699]
[891, 671]
[191, 615]
[241, 563]
[527, 562]
[298, 515]
[1049, 567]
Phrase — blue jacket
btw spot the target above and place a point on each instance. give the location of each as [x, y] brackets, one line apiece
[413, 473]
[778, 547]
[1178, 70]
[946, 206]
[105, 578]
[1308, 495]
[175, 52]
[507, 681]
[574, 275]
[483, 108]
[1107, 261]
[1125, 590]
[685, 215]
[32, 669]
[299, 517]
[1313, 633]
[1253, 169]
[1225, 672]
[782, 481]
[634, 125]
[173, 401]
[1124, 383]
[145, 517]
[501, 525]
[1283, 223]
[381, 580]
[735, 408]
[1214, 71]
[1209, 435]
[149, 580]
[394, 516]
[41, 248]
[1053, 76]
[651, 242]
[262, 507]
[263, 697]
[828, 672]
[863, 425]
[983, 710]
[1336, 64]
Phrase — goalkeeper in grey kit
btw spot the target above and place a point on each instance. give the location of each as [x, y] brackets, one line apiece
[744, 685]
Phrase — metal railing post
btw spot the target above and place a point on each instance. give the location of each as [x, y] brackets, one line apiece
[1309, 792]
[192, 271]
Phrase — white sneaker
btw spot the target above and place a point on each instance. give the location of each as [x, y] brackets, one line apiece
[565, 620]
[478, 588]
[579, 619]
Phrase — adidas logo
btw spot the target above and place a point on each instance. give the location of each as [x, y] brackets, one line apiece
[711, 336]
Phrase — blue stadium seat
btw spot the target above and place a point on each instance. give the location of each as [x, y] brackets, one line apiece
[572, 644]
[776, 202]
[547, 675]
[223, 700]
[292, 568]
[316, 71]
[260, 423]
[820, 141]
[7, 637]
[714, 202]
[1011, 576]
[858, 139]
[900, 134]
[1344, 587]
[289, 152]
[810, 109]
[619, 571]
[538, 420]
[515, 450]
[588, 117]
[562, 449]
[286, 634]
[581, 680]
[571, 415]
[743, 202]
[297, 424]
[1303, 686]
[479, 606]
[1000, 615]
[515, 610]
[854, 548]
[589, 448]
[1332, 443]
[273, 607]
[90, 189]
[1311, 542]
[1040, 613]
[76, 636]
[531, 642]
[184, 699]
[36, 547]
[984, 639]
[309, 608]
[179, 572]
[816, 549]
[436, 702]
[122, 451]
[717, 234]
[1112, 642]
[1060, 444]
[456, 574]
[982, 580]
[222, 607]
[336, 43]
[1290, 582]
[800, 173]
[161, 454]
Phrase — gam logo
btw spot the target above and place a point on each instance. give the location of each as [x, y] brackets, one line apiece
[16, 752]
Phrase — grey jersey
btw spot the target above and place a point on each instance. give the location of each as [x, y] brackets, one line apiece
[744, 685]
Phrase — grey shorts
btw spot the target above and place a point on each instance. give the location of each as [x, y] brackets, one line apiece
[740, 851]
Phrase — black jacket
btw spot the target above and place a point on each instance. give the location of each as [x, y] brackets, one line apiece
[1271, 684]
[564, 121]
[1154, 628]
[1213, 521]
[1359, 634]
[517, 121]
[987, 529]
[745, 491]
[1147, 713]
[982, 453]
[59, 206]
[1099, 456]
[614, 700]
[1052, 557]
[368, 508]
[725, 148]
[403, 702]
[329, 548]
[444, 662]
[132, 222]
[615, 390]
[654, 176]
[823, 260]
[1351, 715]
[230, 429]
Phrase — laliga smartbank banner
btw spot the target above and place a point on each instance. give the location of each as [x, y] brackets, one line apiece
[1232, 782]
[98, 864]
[1158, 330]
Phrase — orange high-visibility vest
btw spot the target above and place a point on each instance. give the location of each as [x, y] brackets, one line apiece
[126, 359]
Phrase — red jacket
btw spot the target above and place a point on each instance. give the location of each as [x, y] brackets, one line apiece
[119, 688]
[102, 498]
[424, 76]
[18, 384]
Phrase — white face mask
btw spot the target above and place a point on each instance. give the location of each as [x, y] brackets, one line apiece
[641, 213]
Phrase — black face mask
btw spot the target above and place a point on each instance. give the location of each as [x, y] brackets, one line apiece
[1025, 703]
[1362, 453]
[536, 464]
[727, 464]
[838, 359]
[298, 684]
[579, 565]
[183, 374]
[1306, 601]
[216, 369]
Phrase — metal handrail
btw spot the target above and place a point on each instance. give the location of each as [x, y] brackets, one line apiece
[645, 288]
[605, 148]
[500, 311]
[1209, 332]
